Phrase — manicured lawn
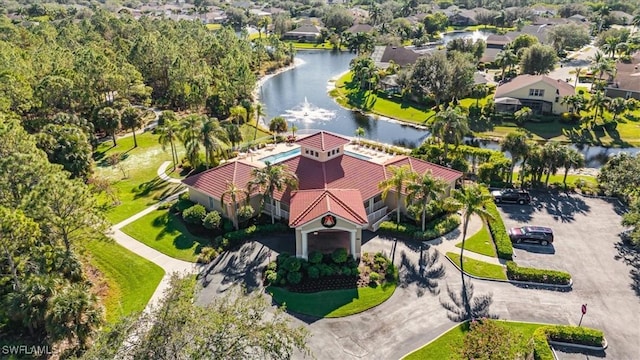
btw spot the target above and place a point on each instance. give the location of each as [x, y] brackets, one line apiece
[571, 178]
[166, 233]
[335, 303]
[479, 268]
[310, 45]
[480, 243]
[130, 279]
[141, 187]
[448, 345]
[214, 26]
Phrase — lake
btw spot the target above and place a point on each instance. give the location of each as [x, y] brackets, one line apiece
[301, 96]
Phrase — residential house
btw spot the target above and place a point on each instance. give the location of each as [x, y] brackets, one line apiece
[626, 83]
[540, 93]
[539, 31]
[462, 17]
[337, 195]
[399, 55]
[495, 44]
[621, 17]
[303, 32]
[363, 28]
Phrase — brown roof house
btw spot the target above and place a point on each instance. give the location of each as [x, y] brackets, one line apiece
[382, 56]
[337, 195]
[540, 93]
[627, 81]
[303, 32]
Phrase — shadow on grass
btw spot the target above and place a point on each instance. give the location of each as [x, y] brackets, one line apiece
[171, 225]
[616, 140]
[146, 188]
[311, 307]
[548, 130]
[480, 124]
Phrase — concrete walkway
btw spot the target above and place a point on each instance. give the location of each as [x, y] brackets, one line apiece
[162, 173]
[447, 243]
[167, 263]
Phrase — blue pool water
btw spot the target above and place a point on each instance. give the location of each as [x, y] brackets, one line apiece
[276, 158]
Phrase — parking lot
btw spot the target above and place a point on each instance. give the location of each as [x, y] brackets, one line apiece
[587, 245]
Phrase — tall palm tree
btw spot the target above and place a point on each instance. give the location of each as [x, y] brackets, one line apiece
[576, 103]
[396, 182]
[617, 106]
[517, 145]
[238, 114]
[190, 128]
[213, 138]
[598, 102]
[571, 159]
[578, 73]
[423, 189]
[553, 154]
[168, 134]
[470, 199]
[506, 58]
[260, 112]
[478, 92]
[132, 118]
[450, 126]
[232, 192]
[269, 179]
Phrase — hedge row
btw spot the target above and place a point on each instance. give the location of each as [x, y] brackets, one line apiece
[504, 248]
[563, 333]
[233, 238]
[436, 228]
[515, 272]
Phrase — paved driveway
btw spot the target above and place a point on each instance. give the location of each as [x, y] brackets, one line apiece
[587, 245]
[414, 314]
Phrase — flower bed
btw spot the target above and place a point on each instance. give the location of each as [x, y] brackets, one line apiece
[436, 228]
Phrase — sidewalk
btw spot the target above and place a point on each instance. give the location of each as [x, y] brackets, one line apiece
[162, 173]
[445, 244]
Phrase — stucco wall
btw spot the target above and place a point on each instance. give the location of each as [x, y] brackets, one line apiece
[203, 199]
[549, 95]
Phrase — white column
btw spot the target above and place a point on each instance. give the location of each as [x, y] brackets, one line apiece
[305, 255]
[353, 243]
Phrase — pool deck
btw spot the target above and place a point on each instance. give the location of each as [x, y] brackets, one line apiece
[254, 156]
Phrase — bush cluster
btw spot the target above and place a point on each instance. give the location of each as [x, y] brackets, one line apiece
[515, 272]
[436, 228]
[194, 214]
[288, 269]
[378, 268]
[563, 333]
[504, 248]
[208, 254]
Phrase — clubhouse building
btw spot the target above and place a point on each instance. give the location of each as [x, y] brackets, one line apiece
[337, 193]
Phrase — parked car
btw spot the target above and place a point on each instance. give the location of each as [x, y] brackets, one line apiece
[536, 234]
[511, 195]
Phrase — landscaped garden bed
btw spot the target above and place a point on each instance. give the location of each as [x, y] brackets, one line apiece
[331, 285]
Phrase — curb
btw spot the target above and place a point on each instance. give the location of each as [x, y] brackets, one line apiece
[514, 282]
[580, 346]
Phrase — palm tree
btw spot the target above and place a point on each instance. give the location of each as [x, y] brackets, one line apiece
[359, 134]
[269, 179]
[232, 192]
[617, 106]
[450, 126]
[571, 159]
[190, 127]
[576, 103]
[260, 112]
[397, 181]
[234, 134]
[470, 199]
[478, 92]
[578, 73]
[132, 119]
[213, 138]
[598, 102]
[168, 134]
[517, 145]
[278, 125]
[522, 115]
[423, 189]
[553, 155]
[506, 58]
[238, 113]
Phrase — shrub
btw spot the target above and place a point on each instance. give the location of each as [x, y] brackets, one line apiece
[291, 264]
[374, 277]
[575, 335]
[355, 271]
[194, 214]
[245, 212]
[182, 204]
[207, 254]
[313, 272]
[515, 272]
[167, 205]
[184, 196]
[541, 349]
[315, 257]
[272, 265]
[346, 270]
[435, 228]
[294, 277]
[504, 248]
[339, 255]
[271, 276]
[212, 220]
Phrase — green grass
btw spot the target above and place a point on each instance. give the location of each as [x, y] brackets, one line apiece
[311, 45]
[130, 279]
[214, 26]
[480, 243]
[166, 233]
[334, 303]
[479, 268]
[141, 187]
[448, 345]
[571, 178]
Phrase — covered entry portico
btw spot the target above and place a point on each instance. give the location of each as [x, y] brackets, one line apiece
[326, 220]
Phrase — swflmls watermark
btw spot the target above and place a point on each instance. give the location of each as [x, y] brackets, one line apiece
[34, 350]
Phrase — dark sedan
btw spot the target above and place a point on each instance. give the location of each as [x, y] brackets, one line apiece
[536, 234]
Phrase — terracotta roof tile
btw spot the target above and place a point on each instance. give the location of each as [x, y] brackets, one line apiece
[323, 141]
[308, 205]
[214, 181]
[421, 166]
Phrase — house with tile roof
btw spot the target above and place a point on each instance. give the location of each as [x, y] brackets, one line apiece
[626, 83]
[337, 194]
[304, 32]
[540, 93]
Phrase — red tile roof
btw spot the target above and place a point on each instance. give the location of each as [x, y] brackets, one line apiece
[323, 141]
[214, 182]
[308, 205]
[421, 166]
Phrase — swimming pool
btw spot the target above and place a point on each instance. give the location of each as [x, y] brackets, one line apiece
[276, 158]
